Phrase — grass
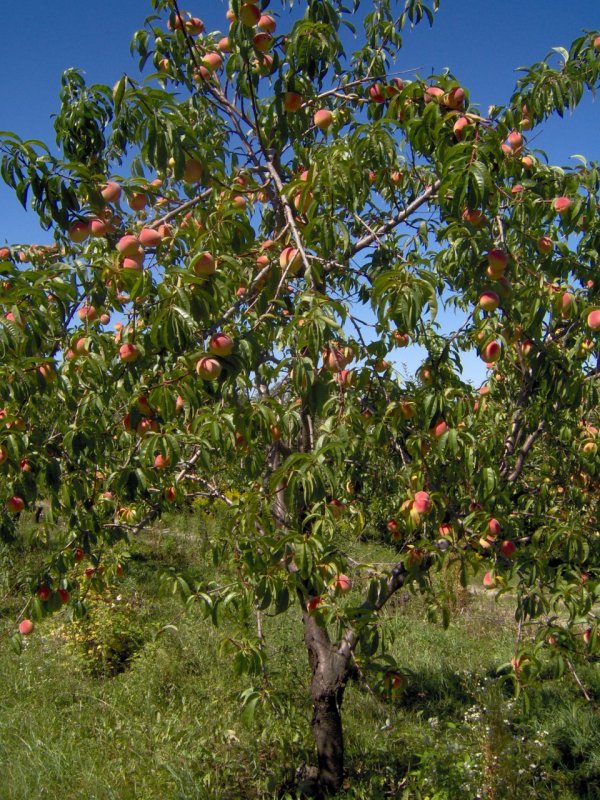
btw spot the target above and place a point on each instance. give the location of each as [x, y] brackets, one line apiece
[142, 701]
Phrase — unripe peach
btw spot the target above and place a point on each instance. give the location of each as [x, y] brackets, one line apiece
[208, 368]
[249, 15]
[545, 245]
[193, 171]
[220, 344]
[323, 119]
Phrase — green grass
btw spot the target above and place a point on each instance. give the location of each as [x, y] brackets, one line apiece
[144, 703]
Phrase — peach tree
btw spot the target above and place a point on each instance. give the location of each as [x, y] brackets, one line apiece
[245, 238]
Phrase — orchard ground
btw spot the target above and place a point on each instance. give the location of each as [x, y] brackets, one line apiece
[142, 699]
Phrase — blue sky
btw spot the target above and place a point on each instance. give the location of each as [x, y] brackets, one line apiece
[481, 41]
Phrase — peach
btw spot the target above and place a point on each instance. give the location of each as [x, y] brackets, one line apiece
[15, 504]
[561, 205]
[128, 353]
[515, 141]
[292, 102]
[377, 94]
[208, 368]
[473, 217]
[508, 548]
[290, 259]
[433, 93]
[489, 301]
[494, 526]
[26, 627]
[203, 264]
[212, 61]
[455, 98]
[545, 245]
[99, 227]
[491, 352]
[48, 372]
[593, 320]
[489, 580]
[87, 314]
[79, 231]
[323, 119]
[342, 583]
[497, 261]
[129, 246]
[193, 171]
[149, 237]
[459, 126]
[137, 201]
[422, 502]
[111, 192]
[224, 44]
[161, 461]
[263, 41]
[440, 428]
[267, 23]
[249, 15]
[220, 344]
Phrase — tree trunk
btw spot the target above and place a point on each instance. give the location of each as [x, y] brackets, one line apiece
[329, 675]
[329, 737]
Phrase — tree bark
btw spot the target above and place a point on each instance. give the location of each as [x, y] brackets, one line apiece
[330, 673]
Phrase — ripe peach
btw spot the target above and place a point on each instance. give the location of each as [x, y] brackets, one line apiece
[267, 23]
[593, 320]
[440, 428]
[489, 580]
[323, 119]
[515, 141]
[494, 526]
[459, 126]
[342, 583]
[263, 41]
[149, 237]
[48, 372]
[129, 246]
[224, 45]
[290, 259]
[212, 61]
[377, 94]
[491, 352]
[137, 201]
[455, 98]
[128, 353]
[99, 227]
[208, 368]
[561, 205]
[489, 301]
[422, 502]
[474, 217]
[508, 548]
[161, 461]
[203, 264]
[497, 261]
[26, 627]
[221, 345]
[313, 603]
[292, 102]
[14, 504]
[545, 245]
[111, 192]
[79, 231]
